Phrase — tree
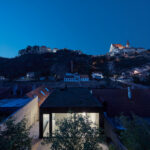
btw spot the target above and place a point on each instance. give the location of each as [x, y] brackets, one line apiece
[15, 136]
[76, 133]
[136, 134]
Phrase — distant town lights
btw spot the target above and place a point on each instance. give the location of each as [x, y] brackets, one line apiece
[136, 72]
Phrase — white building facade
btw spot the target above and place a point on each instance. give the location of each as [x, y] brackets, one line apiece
[75, 77]
[120, 49]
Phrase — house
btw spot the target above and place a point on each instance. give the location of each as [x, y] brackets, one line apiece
[97, 76]
[120, 49]
[30, 75]
[62, 102]
[55, 50]
[84, 78]
[124, 101]
[75, 77]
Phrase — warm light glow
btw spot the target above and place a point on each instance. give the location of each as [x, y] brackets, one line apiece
[136, 72]
[84, 114]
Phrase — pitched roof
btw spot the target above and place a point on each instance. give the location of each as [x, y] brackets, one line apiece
[118, 46]
[117, 101]
[71, 97]
[42, 92]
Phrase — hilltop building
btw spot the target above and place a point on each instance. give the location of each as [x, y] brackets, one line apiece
[37, 50]
[120, 49]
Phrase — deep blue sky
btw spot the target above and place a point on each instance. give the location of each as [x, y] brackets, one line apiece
[88, 25]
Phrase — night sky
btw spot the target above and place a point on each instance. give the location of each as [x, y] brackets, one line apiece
[88, 25]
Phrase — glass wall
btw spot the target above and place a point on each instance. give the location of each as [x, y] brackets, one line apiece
[46, 125]
[94, 117]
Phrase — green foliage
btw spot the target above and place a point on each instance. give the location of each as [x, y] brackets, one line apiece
[112, 147]
[15, 136]
[76, 133]
[136, 134]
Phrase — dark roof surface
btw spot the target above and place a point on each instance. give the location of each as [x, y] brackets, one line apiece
[71, 97]
[117, 101]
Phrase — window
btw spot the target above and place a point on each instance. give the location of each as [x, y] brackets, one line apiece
[46, 125]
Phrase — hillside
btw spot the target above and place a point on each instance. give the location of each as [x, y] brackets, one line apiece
[59, 63]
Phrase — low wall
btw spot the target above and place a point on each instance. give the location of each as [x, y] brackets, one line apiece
[109, 131]
[30, 111]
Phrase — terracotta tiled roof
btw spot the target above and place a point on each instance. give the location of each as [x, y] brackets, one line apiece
[42, 92]
[118, 46]
[117, 101]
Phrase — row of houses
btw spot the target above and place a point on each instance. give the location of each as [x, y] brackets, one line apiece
[75, 77]
[45, 106]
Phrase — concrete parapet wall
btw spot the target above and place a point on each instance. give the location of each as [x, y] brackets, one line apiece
[30, 111]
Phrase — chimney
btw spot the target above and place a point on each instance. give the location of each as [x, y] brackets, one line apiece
[71, 66]
[129, 93]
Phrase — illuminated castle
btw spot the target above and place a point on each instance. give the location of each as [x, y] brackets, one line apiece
[120, 49]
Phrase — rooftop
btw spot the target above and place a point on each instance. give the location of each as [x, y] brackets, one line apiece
[16, 102]
[119, 46]
[117, 101]
[42, 92]
[71, 97]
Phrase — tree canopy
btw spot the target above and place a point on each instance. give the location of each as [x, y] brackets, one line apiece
[76, 133]
[15, 136]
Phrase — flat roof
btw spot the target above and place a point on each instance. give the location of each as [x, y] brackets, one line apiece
[71, 97]
[14, 102]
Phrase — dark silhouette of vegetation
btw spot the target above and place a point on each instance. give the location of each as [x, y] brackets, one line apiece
[15, 136]
[136, 134]
[57, 64]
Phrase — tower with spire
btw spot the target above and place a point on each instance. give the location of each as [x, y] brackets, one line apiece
[128, 44]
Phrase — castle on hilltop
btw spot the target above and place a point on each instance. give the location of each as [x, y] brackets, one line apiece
[37, 50]
[120, 49]
[42, 49]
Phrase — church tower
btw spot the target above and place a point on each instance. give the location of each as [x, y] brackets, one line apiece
[128, 44]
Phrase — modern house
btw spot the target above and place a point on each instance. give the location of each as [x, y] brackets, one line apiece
[62, 102]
